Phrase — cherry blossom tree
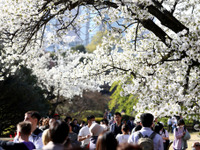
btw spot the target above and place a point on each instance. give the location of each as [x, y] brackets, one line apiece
[156, 42]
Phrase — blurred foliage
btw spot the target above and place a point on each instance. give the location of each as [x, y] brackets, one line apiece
[121, 103]
[80, 48]
[20, 93]
[97, 119]
[96, 40]
[89, 103]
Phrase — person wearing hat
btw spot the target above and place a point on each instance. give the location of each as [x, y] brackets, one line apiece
[95, 130]
[56, 116]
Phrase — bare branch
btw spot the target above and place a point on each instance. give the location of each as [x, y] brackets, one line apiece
[174, 6]
[136, 34]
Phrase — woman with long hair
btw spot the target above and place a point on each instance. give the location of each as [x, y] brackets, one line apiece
[106, 141]
[180, 141]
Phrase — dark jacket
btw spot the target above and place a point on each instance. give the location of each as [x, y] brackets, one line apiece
[7, 145]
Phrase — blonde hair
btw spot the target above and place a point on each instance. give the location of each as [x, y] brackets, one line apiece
[46, 137]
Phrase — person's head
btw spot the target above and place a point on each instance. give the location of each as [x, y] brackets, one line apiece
[41, 121]
[158, 127]
[68, 119]
[90, 119]
[125, 128]
[96, 129]
[105, 121]
[46, 137]
[51, 121]
[71, 125]
[128, 146]
[138, 127]
[75, 121]
[56, 116]
[106, 141]
[146, 119]
[59, 131]
[45, 122]
[118, 117]
[24, 128]
[33, 117]
[82, 123]
[181, 122]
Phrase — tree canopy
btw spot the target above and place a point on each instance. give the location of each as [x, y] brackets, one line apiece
[19, 94]
[158, 42]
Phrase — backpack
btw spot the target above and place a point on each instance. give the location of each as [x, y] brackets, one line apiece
[146, 142]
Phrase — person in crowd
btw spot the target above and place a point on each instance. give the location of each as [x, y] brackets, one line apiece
[23, 133]
[147, 123]
[111, 121]
[36, 133]
[44, 124]
[40, 122]
[179, 133]
[131, 123]
[76, 126]
[159, 128]
[196, 146]
[174, 123]
[169, 124]
[56, 116]
[46, 137]
[116, 127]
[106, 141]
[68, 119]
[7, 145]
[109, 115]
[155, 122]
[123, 138]
[83, 124]
[73, 137]
[95, 129]
[105, 114]
[59, 131]
[137, 128]
[84, 133]
[51, 121]
[104, 124]
[128, 146]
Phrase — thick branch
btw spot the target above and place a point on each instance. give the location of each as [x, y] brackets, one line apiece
[165, 17]
[151, 26]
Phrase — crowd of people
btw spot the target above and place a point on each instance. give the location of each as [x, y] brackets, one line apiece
[110, 134]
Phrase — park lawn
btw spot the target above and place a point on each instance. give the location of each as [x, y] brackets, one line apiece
[194, 138]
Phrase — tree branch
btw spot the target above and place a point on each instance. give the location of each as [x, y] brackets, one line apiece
[165, 17]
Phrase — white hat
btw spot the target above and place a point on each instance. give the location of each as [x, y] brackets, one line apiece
[96, 129]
